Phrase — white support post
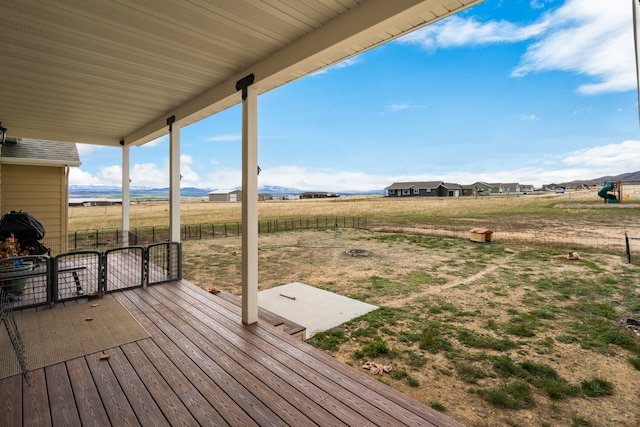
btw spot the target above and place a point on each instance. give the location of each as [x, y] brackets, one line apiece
[174, 182]
[126, 197]
[250, 207]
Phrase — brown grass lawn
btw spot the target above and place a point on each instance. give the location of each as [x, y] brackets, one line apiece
[499, 334]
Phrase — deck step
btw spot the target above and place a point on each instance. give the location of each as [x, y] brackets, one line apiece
[291, 328]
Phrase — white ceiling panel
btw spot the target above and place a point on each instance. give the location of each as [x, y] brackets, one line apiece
[98, 71]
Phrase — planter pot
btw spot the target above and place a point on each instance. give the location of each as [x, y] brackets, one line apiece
[16, 286]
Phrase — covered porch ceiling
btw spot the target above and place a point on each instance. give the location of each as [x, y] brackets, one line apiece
[106, 71]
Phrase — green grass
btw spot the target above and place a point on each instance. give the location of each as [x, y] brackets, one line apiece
[472, 339]
[375, 348]
[597, 387]
[328, 340]
[516, 395]
[438, 406]
[433, 340]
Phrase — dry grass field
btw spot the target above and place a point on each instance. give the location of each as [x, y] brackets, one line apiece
[502, 334]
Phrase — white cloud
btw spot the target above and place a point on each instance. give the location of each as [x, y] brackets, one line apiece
[589, 163]
[342, 64]
[231, 137]
[79, 177]
[624, 156]
[397, 107]
[109, 175]
[85, 149]
[588, 37]
[456, 31]
[528, 117]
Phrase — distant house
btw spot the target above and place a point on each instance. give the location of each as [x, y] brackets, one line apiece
[511, 187]
[525, 188]
[496, 187]
[93, 201]
[482, 188]
[317, 195]
[264, 196]
[34, 177]
[225, 196]
[468, 190]
[453, 190]
[423, 189]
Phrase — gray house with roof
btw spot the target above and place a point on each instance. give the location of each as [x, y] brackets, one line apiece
[423, 189]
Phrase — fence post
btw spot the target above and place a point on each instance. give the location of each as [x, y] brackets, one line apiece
[626, 241]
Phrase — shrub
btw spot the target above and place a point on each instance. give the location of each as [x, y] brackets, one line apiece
[377, 347]
[597, 387]
[328, 340]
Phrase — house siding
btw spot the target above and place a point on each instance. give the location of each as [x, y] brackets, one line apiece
[41, 191]
[231, 196]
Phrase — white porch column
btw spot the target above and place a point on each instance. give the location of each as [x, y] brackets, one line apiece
[126, 197]
[174, 182]
[250, 206]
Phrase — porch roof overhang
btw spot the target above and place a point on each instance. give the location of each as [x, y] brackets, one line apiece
[102, 72]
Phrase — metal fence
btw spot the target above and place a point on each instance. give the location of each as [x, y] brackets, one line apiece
[112, 237]
[37, 280]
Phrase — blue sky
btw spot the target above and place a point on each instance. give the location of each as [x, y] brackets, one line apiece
[529, 91]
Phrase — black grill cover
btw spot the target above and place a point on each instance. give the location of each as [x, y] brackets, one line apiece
[22, 225]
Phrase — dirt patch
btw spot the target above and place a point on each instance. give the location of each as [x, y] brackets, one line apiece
[468, 291]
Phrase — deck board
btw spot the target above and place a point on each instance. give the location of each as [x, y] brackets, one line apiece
[90, 410]
[112, 395]
[36, 399]
[61, 401]
[202, 366]
[321, 375]
[261, 385]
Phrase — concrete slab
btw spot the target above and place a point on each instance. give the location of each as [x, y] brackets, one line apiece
[314, 308]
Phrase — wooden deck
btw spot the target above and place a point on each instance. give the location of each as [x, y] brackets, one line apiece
[202, 366]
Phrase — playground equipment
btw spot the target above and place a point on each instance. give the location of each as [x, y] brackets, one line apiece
[604, 193]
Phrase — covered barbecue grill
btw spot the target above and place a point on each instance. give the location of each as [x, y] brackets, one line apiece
[27, 229]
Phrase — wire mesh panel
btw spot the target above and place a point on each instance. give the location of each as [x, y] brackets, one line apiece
[6, 314]
[124, 268]
[25, 280]
[164, 262]
[77, 275]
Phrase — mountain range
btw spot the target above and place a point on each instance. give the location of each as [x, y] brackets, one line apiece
[100, 191]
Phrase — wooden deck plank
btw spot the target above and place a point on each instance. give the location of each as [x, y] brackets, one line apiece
[142, 404]
[295, 387]
[404, 408]
[260, 412]
[326, 377]
[113, 397]
[352, 403]
[251, 371]
[61, 401]
[228, 408]
[202, 366]
[169, 402]
[86, 394]
[11, 401]
[200, 407]
[36, 401]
